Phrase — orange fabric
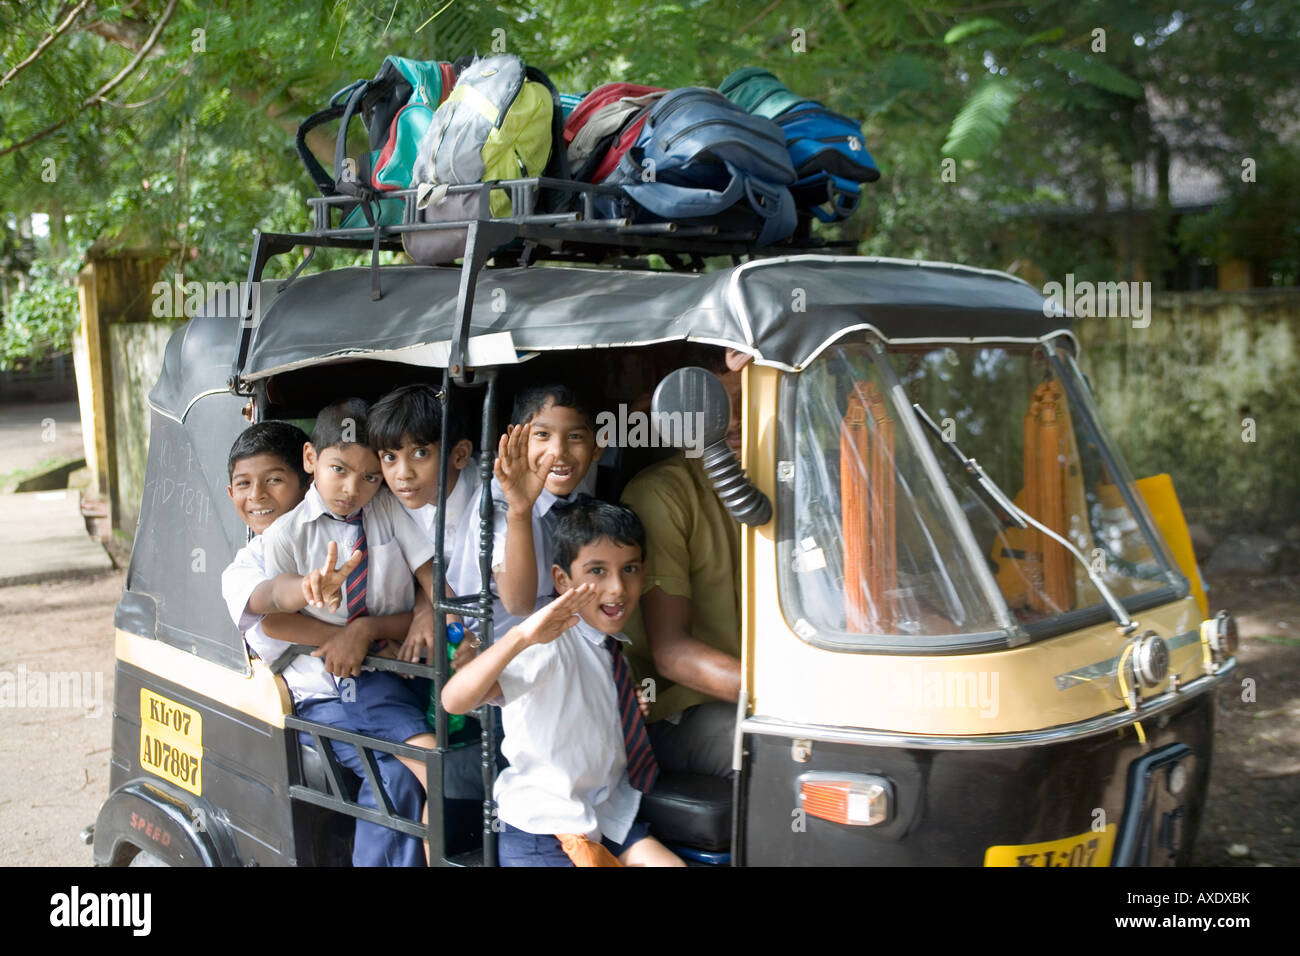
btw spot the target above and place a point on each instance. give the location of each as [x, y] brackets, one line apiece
[867, 512]
[585, 853]
[1045, 472]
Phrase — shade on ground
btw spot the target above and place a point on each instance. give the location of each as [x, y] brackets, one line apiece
[45, 537]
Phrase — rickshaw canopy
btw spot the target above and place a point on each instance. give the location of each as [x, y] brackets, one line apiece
[783, 311]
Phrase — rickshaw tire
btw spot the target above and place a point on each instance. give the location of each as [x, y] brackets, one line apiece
[145, 858]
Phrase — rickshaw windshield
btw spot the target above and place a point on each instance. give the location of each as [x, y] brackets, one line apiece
[876, 549]
[891, 540]
[1017, 412]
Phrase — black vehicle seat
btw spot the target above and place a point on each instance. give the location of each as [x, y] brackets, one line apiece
[314, 775]
[690, 809]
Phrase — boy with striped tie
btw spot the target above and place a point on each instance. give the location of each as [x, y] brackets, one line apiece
[579, 755]
[348, 511]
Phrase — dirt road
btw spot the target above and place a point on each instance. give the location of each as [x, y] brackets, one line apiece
[54, 738]
[54, 759]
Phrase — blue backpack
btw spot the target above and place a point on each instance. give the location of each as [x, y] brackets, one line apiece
[700, 156]
[830, 158]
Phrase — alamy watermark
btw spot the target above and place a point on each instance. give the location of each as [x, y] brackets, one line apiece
[636, 429]
[73, 690]
[185, 300]
[1102, 300]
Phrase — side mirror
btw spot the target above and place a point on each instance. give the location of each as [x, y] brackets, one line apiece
[696, 392]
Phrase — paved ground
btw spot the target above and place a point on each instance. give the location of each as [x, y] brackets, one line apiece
[31, 435]
[45, 538]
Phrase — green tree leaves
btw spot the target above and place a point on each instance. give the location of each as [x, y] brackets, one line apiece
[981, 120]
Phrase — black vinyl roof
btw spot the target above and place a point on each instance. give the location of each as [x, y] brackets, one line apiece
[783, 311]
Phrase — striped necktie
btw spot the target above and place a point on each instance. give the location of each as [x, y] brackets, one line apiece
[642, 769]
[356, 582]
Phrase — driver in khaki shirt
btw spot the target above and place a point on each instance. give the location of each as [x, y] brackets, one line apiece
[686, 634]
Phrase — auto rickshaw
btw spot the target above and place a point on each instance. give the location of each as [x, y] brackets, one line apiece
[970, 637]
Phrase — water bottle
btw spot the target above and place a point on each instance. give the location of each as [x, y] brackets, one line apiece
[455, 634]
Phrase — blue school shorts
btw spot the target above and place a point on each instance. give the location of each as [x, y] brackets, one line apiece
[517, 847]
[392, 708]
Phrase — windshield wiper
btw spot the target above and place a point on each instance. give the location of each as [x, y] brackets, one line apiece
[1013, 514]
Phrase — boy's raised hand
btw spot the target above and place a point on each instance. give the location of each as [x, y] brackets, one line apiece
[546, 624]
[519, 483]
[323, 586]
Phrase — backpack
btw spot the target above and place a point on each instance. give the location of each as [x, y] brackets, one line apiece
[827, 149]
[502, 121]
[604, 126]
[396, 108]
[700, 156]
[758, 91]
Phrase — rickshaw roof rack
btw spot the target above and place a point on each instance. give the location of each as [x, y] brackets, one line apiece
[578, 233]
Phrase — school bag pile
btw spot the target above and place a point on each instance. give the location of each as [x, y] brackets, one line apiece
[751, 156]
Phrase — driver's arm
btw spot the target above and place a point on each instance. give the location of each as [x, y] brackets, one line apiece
[681, 658]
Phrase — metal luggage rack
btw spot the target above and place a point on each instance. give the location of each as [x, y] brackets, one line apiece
[576, 232]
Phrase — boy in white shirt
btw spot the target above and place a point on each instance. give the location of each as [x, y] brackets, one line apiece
[267, 481]
[347, 510]
[405, 429]
[544, 458]
[579, 755]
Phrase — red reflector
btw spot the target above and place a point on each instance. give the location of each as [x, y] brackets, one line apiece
[856, 802]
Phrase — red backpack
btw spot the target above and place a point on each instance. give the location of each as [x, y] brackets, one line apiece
[604, 126]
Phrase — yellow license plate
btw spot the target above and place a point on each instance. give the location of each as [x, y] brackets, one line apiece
[1086, 849]
[171, 741]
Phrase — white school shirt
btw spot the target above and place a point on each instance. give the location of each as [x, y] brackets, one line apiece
[564, 740]
[395, 546]
[462, 568]
[305, 675]
[462, 503]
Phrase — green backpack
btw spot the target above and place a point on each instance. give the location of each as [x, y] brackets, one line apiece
[396, 108]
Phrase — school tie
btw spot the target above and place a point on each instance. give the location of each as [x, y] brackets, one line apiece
[642, 769]
[356, 582]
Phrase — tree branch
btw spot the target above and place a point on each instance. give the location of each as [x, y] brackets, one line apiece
[98, 96]
[40, 47]
[136, 60]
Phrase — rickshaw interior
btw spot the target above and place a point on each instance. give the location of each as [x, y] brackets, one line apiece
[611, 377]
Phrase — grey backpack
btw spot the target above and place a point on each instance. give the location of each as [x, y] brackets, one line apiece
[501, 122]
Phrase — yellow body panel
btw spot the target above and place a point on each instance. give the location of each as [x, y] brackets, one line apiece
[1162, 501]
[260, 694]
[1001, 691]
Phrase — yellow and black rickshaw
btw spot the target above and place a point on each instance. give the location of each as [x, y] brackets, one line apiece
[969, 636]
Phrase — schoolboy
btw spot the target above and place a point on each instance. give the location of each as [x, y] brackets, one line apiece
[264, 469]
[544, 458]
[405, 429]
[347, 510]
[578, 751]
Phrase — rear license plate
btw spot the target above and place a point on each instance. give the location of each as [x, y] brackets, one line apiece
[171, 741]
[1088, 849]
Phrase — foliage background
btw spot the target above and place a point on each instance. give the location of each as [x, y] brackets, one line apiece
[168, 123]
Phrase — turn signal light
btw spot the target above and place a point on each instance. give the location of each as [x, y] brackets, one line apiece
[856, 799]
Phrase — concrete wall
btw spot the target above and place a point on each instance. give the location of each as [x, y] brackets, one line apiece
[136, 355]
[1209, 392]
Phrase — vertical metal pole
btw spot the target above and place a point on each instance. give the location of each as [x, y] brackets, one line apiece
[487, 713]
[437, 840]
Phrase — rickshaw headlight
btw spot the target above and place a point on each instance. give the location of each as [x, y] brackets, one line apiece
[1151, 659]
[856, 799]
[1223, 636]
